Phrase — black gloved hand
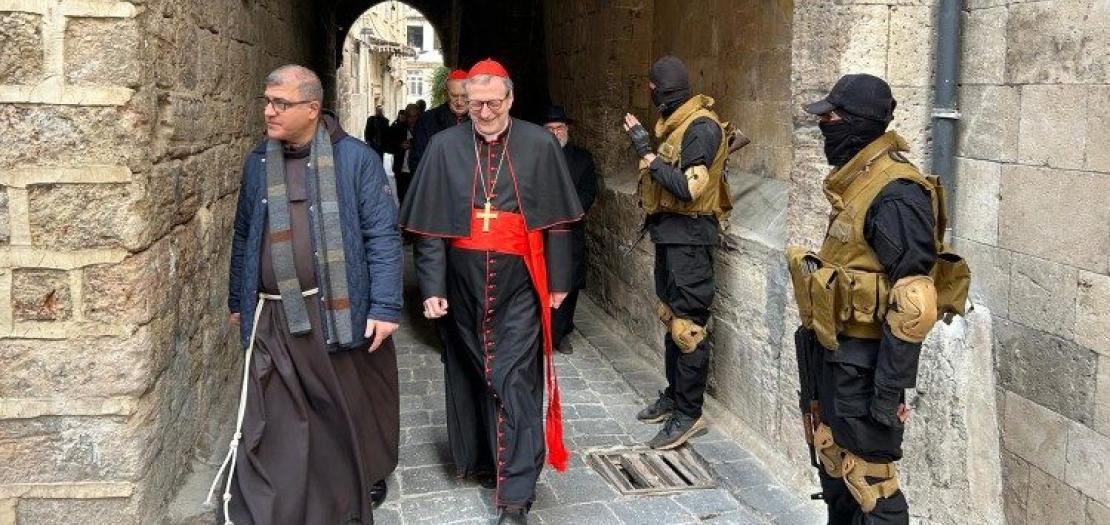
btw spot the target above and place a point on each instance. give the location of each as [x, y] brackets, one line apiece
[884, 406]
[641, 141]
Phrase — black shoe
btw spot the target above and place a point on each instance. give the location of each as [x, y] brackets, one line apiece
[658, 411]
[488, 481]
[565, 347]
[378, 492]
[677, 430]
[512, 516]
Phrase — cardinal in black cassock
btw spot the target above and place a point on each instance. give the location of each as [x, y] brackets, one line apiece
[492, 203]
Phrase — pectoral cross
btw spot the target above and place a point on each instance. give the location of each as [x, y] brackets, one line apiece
[486, 214]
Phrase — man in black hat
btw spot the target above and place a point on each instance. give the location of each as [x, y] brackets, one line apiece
[582, 171]
[866, 299]
[685, 196]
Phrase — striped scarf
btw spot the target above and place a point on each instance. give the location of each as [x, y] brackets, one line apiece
[327, 238]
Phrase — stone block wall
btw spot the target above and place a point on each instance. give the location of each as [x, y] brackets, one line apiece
[125, 125]
[1032, 217]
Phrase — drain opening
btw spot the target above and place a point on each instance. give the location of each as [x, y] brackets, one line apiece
[652, 471]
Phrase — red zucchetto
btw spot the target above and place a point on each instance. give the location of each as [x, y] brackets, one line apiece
[490, 67]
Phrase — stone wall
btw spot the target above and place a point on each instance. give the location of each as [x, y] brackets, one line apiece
[125, 125]
[1032, 217]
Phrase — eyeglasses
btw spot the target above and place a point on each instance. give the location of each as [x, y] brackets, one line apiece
[495, 104]
[281, 105]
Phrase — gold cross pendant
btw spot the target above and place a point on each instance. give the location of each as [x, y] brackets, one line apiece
[486, 214]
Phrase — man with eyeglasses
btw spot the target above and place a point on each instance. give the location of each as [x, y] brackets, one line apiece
[315, 287]
[582, 172]
[491, 203]
[448, 114]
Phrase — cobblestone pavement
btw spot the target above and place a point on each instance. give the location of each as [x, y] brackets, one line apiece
[603, 386]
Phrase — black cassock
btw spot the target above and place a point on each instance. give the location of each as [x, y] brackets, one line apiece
[494, 352]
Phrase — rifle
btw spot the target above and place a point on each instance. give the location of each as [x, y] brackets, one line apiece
[809, 370]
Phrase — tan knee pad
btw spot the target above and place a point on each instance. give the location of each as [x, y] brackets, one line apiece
[687, 334]
[664, 313]
[913, 308]
[856, 471]
[829, 453]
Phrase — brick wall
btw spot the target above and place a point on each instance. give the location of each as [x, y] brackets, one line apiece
[125, 125]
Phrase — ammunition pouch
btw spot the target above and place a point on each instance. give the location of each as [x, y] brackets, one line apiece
[856, 470]
[914, 308]
[833, 300]
[664, 313]
[952, 278]
[686, 334]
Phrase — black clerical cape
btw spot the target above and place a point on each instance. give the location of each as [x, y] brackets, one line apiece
[498, 316]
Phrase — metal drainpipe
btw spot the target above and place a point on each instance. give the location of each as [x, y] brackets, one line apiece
[946, 110]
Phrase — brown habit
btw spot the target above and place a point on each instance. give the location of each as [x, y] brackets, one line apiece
[319, 428]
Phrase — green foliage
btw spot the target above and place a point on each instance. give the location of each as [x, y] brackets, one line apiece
[439, 86]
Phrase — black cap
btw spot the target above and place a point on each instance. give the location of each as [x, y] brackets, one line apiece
[861, 94]
[556, 114]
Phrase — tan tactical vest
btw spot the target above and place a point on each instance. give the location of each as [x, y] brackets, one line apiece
[849, 291]
[716, 199]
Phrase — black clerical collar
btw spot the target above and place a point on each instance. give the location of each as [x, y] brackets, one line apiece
[500, 136]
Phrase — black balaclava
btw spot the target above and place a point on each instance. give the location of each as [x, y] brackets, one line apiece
[848, 136]
[672, 85]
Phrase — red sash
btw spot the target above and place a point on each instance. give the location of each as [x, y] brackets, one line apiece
[509, 235]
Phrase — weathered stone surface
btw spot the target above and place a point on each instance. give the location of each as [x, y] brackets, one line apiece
[1097, 512]
[990, 270]
[1042, 295]
[1046, 369]
[977, 200]
[1015, 487]
[1055, 214]
[1098, 121]
[955, 393]
[112, 510]
[1065, 41]
[1092, 312]
[984, 46]
[1102, 396]
[54, 449]
[910, 63]
[143, 280]
[70, 135]
[78, 216]
[21, 57]
[88, 367]
[989, 124]
[1035, 434]
[1088, 463]
[5, 221]
[1054, 138]
[1052, 501]
[41, 295]
[102, 51]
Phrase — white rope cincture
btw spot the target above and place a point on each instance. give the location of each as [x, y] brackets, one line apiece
[232, 456]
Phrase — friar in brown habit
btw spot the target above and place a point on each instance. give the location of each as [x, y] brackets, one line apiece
[315, 284]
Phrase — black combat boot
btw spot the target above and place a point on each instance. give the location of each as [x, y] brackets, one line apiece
[677, 430]
[658, 411]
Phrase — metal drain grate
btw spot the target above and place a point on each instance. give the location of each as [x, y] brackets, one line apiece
[649, 471]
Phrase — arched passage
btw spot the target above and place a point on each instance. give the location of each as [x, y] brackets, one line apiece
[471, 30]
